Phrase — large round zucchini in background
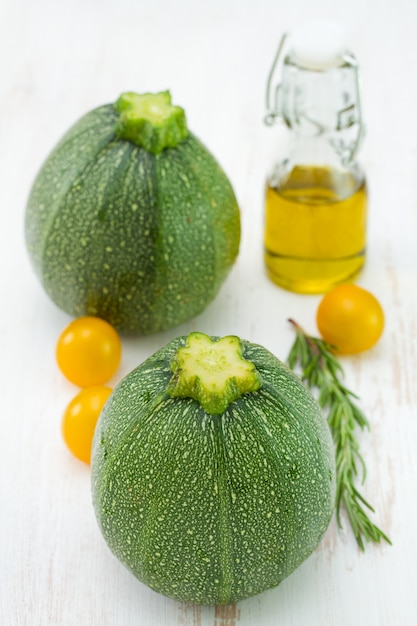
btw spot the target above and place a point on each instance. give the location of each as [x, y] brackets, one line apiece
[131, 218]
[213, 471]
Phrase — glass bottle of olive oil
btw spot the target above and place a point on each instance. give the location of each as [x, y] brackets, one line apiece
[316, 198]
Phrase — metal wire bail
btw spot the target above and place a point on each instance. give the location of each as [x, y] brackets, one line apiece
[350, 60]
[273, 105]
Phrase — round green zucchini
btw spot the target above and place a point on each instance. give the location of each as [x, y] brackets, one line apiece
[213, 471]
[131, 218]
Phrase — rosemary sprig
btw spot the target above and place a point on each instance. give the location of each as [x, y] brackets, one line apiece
[322, 371]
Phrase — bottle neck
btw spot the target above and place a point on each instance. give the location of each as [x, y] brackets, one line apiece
[321, 109]
[315, 150]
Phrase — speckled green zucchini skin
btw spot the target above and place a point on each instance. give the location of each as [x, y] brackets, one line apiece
[205, 508]
[141, 240]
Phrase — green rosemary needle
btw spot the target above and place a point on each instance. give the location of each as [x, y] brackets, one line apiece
[321, 370]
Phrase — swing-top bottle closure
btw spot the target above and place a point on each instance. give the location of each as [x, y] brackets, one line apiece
[318, 92]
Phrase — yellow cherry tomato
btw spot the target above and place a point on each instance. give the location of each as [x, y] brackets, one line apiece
[88, 351]
[350, 318]
[80, 419]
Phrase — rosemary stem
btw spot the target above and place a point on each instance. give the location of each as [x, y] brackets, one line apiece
[321, 371]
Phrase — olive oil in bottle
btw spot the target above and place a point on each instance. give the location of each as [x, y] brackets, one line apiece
[315, 228]
[315, 199]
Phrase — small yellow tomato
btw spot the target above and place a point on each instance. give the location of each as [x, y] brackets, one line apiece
[80, 419]
[350, 318]
[88, 351]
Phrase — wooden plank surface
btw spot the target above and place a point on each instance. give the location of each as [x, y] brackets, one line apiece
[57, 61]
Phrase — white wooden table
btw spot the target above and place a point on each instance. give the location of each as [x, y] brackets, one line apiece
[57, 61]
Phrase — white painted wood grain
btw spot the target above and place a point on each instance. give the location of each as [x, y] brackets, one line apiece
[57, 61]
